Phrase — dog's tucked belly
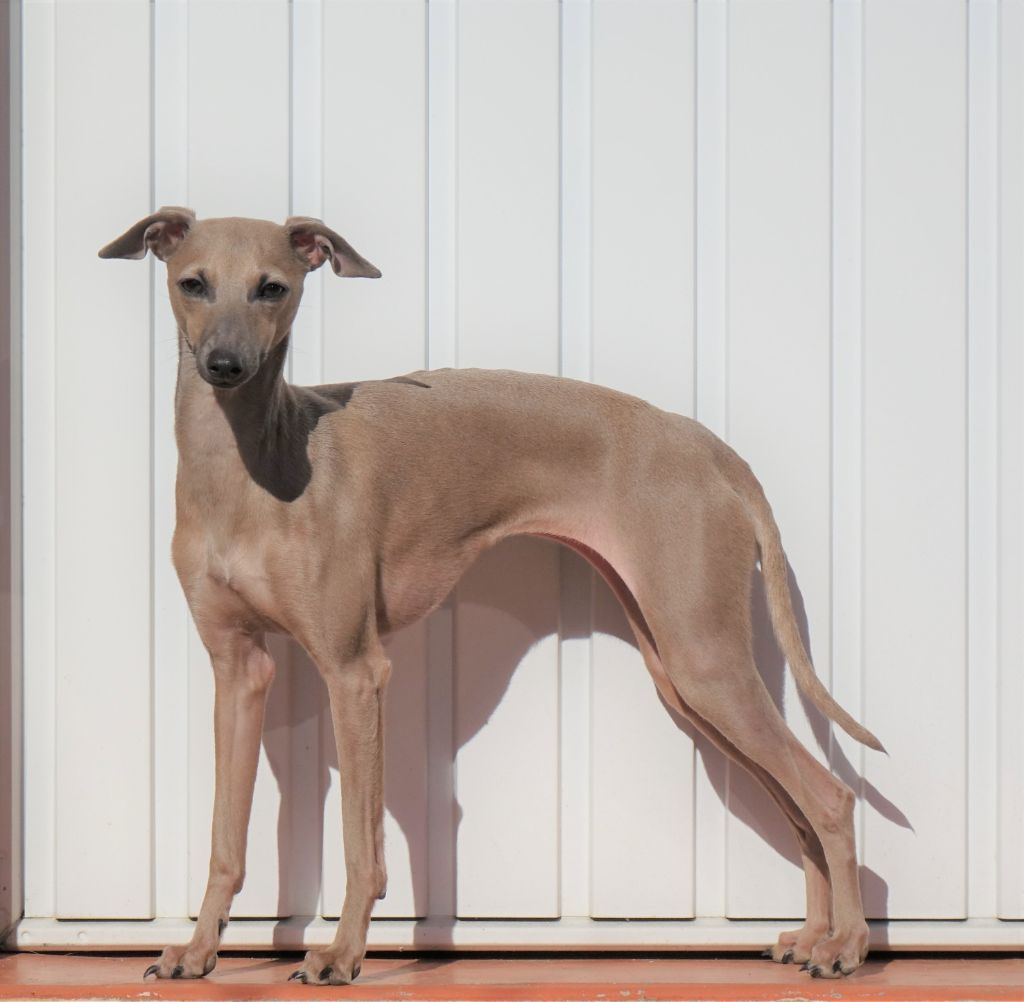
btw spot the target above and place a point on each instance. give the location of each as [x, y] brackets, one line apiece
[419, 585]
[413, 588]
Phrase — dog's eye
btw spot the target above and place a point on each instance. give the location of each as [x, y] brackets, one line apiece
[192, 286]
[272, 291]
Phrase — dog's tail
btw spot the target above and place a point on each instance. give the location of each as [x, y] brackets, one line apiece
[775, 572]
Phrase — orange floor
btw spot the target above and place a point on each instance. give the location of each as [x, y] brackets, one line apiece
[487, 979]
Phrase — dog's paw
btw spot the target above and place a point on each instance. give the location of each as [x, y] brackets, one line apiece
[183, 962]
[838, 955]
[329, 967]
[795, 947]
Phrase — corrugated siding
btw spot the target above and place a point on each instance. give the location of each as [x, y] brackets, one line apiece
[800, 222]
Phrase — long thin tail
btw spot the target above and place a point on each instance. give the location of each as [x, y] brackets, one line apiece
[775, 572]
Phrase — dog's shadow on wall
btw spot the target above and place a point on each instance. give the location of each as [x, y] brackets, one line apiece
[495, 587]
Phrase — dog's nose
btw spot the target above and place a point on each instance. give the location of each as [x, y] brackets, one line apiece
[225, 367]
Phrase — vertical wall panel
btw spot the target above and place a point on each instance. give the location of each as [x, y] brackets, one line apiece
[11, 786]
[779, 175]
[39, 579]
[506, 733]
[642, 202]
[442, 273]
[374, 178]
[847, 383]
[170, 612]
[576, 577]
[642, 824]
[642, 304]
[508, 311]
[982, 456]
[508, 184]
[309, 719]
[103, 448]
[238, 108]
[914, 468]
[239, 165]
[710, 383]
[374, 191]
[1011, 458]
[307, 178]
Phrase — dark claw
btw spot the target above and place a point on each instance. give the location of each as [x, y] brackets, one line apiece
[805, 966]
[787, 957]
[221, 926]
[325, 974]
[152, 969]
[383, 894]
[178, 971]
[297, 976]
[815, 971]
[355, 972]
[767, 954]
[837, 968]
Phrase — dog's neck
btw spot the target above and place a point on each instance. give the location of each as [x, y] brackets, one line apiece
[229, 440]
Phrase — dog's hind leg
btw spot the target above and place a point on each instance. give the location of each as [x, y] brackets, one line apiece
[692, 580]
[796, 945]
[716, 677]
[791, 947]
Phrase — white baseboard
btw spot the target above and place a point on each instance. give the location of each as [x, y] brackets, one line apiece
[526, 935]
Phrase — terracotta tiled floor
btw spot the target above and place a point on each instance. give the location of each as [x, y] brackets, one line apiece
[487, 979]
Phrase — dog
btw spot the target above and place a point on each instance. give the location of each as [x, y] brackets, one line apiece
[339, 513]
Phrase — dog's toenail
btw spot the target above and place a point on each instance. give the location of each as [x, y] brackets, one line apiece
[178, 971]
[152, 969]
[297, 976]
[837, 967]
[787, 957]
[355, 972]
[767, 954]
[805, 966]
[815, 971]
[325, 974]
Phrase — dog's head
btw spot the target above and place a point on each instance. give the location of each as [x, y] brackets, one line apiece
[235, 284]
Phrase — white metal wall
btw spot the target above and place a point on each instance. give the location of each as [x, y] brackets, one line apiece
[800, 222]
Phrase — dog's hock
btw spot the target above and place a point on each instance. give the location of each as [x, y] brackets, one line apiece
[316, 243]
[162, 233]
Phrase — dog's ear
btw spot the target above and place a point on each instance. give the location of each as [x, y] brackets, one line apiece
[162, 233]
[315, 243]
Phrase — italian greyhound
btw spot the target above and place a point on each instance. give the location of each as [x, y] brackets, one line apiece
[339, 513]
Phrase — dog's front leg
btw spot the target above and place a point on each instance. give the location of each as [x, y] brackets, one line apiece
[356, 687]
[243, 672]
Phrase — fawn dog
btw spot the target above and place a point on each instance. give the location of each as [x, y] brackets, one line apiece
[339, 513]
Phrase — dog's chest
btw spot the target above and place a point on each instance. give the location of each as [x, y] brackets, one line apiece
[239, 571]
